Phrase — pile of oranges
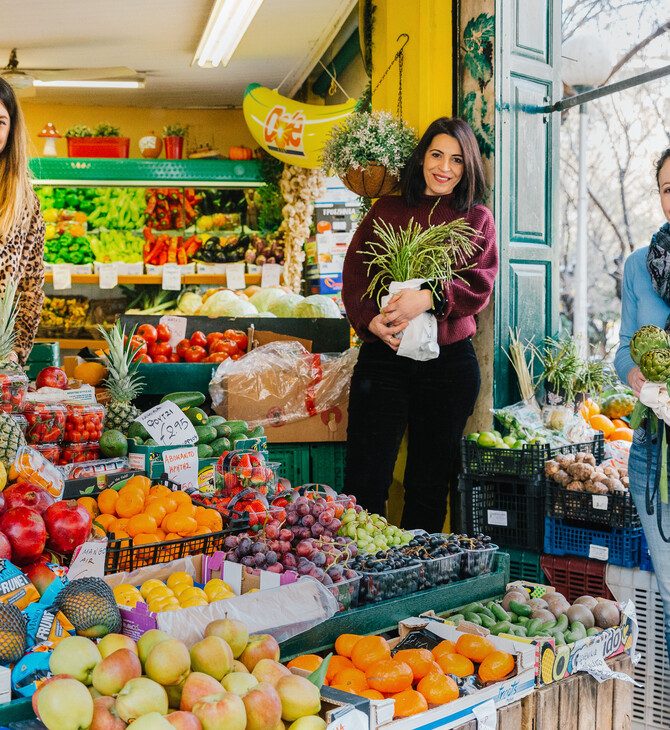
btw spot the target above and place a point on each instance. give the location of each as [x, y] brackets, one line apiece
[417, 679]
[613, 429]
[140, 514]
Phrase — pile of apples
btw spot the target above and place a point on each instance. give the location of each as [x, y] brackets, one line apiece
[228, 680]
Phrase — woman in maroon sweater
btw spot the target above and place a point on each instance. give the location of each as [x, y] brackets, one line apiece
[443, 180]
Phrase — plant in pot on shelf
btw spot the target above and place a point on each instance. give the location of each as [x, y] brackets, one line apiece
[560, 365]
[368, 151]
[103, 141]
[173, 139]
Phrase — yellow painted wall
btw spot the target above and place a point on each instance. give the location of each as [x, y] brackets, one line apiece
[220, 128]
[428, 64]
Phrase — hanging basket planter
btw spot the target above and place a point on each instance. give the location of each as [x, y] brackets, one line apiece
[372, 181]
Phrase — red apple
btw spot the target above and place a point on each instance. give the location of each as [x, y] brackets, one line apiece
[223, 711]
[197, 686]
[43, 684]
[263, 707]
[260, 646]
[51, 377]
[105, 716]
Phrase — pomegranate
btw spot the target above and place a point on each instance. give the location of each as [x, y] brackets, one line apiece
[5, 547]
[23, 494]
[68, 525]
[25, 530]
[51, 377]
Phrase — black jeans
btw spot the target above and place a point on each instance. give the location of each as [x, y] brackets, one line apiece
[433, 400]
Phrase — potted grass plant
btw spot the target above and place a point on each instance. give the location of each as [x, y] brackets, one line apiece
[173, 139]
[103, 141]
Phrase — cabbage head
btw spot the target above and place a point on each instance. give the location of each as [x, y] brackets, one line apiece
[267, 314]
[189, 303]
[283, 307]
[227, 304]
[265, 297]
[318, 305]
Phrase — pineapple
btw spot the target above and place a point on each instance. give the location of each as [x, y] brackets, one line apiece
[11, 377]
[122, 383]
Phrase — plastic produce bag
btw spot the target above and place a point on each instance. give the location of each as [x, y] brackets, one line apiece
[280, 383]
[418, 340]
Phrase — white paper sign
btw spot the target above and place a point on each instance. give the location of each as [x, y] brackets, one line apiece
[181, 466]
[235, 276]
[350, 719]
[487, 717]
[168, 425]
[600, 501]
[88, 560]
[177, 327]
[171, 277]
[270, 274]
[62, 276]
[497, 517]
[109, 277]
[599, 552]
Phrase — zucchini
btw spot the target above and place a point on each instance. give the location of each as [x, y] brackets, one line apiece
[196, 416]
[487, 623]
[238, 426]
[215, 421]
[219, 445]
[523, 620]
[204, 450]
[514, 618]
[184, 399]
[205, 434]
[520, 609]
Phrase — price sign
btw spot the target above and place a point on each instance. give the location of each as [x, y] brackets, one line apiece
[599, 552]
[171, 277]
[168, 426]
[235, 276]
[270, 274]
[497, 517]
[108, 276]
[62, 276]
[600, 501]
[88, 560]
[487, 717]
[181, 466]
[177, 327]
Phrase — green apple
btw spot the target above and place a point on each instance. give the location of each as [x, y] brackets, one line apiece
[487, 439]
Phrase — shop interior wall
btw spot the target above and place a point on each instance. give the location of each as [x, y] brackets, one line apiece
[219, 128]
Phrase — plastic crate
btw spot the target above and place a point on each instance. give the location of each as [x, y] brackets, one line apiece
[651, 693]
[524, 565]
[611, 510]
[294, 460]
[575, 577]
[327, 462]
[377, 587]
[645, 557]
[529, 461]
[618, 546]
[509, 509]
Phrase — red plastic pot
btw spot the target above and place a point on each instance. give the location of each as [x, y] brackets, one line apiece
[98, 146]
[174, 147]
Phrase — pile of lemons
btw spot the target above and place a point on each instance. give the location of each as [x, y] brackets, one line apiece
[175, 593]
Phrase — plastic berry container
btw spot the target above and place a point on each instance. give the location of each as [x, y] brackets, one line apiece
[21, 420]
[380, 586]
[73, 453]
[478, 561]
[46, 422]
[51, 452]
[84, 423]
[13, 389]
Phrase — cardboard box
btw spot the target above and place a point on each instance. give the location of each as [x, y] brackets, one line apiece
[90, 486]
[330, 425]
[257, 338]
[326, 283]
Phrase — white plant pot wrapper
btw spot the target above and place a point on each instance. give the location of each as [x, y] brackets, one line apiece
[655, 396]
[418, 340]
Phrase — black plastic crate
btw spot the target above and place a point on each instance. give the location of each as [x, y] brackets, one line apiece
[508, 509]
[529, 461]
[611, 510]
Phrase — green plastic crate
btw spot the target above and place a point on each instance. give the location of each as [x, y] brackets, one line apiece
[294, 460]
[16, 711]
[327, 462]
[45, 352]
[524, 565]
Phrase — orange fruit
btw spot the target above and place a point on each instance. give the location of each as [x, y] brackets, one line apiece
[371, 694]
[308, 662]
[592, 407]
[346, 688]
[420, 661]
[456, 664]
[444, 647]
[106, 501]
[167, 503]
[618, 423]
[144, 539]
[389, 675]
[369, 650]
[104, 520]
[141, 523]
[89, 504]
[475, 648]
[350, 677]
[185, 508]
[438, 689]
[156, 510]
[118, 525]
[129, 504]
[408, 702]
[182, 497]
[159, 534]
[345, 643]
[171, 536]
[496, 666]
[621, 434]
[144, 483]
[601, 423]
[182, 524]
[336, 664]
[160, 490]
[209, 518]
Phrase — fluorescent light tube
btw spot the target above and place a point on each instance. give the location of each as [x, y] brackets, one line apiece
[92, 84]
[227, 24]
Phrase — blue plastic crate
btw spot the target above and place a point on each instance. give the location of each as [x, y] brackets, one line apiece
[623, 546]
[645, 557]
[294, 460]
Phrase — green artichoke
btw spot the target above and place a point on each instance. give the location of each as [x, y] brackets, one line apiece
[655, 366]
[649, 337]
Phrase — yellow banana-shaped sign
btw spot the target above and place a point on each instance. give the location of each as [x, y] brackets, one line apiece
[293, 132]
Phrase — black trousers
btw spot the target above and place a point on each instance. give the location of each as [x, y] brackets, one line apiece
[432, 400]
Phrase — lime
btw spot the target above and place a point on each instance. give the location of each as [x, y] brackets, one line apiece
[487, 439]
[509, 441]
[112, 444]
[472, 436]
[519, 444]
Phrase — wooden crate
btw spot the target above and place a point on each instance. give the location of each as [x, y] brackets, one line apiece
[578, 702]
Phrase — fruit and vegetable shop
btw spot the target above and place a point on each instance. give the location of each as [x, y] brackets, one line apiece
[199, 528]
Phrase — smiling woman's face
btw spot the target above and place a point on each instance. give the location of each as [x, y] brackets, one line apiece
[664, 188]
[4, 126]
[442, 165]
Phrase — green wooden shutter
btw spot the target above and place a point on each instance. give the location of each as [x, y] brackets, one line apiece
[528, 48]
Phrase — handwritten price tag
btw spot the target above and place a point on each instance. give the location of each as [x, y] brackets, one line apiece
[270, 274]
[487, 717]
[109, 277]
[177, 327]
[171, 277]
[88, 560]
[235, 276]
[62, 276]
[168, 426]
[181, 466]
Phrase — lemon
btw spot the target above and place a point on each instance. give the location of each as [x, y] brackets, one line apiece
[192, 592]
[158, 592]
[149, 585]
[488, 439]
[179, 576]
[194, 601]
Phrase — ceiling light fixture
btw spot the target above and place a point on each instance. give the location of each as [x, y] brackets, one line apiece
[92, 84]
[227, 24]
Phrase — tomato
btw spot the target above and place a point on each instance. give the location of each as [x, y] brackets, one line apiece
[163, 333]
[160, 348]
[174, 357]
[142, 358]
[237, 355]
[161, 358]
[182, 346]
[230, 348]
[139, 345]
[238, 337]
[216, 357]
[199, 338]
[212, 337]
[148, 332]
[195, 353]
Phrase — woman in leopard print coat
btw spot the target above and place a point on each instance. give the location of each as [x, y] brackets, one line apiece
[21, 223]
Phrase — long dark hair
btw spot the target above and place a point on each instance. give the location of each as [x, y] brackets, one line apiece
[472, 186]
[659, 164]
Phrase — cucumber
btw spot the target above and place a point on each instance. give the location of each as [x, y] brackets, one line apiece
[456, 618]
[487, 623]
[137, 430]
[185, 399]
[501, 627]
[520, 609]
[523, 620]
[205, 434]
[532, 626]
[222, 429]
[514, 618]
[215, 421]
[472, 607]
[219, 445]
[255, 433]
[498, 611]
[204, 450]
[238, 426]
[473, 618]
[577, 632]
[519, 629]
[562, 623]
[196, 416]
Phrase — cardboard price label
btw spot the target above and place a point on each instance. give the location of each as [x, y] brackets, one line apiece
[177, 327]
[88, 560]
[270, 274]
[181, 466]
[108, 277]
[235, 276]
[168, 426]
[62, 276]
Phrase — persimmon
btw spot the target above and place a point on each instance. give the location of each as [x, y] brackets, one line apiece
[368, 650]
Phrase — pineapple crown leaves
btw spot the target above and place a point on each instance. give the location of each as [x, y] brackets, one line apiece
[122, 382]
[8, 309]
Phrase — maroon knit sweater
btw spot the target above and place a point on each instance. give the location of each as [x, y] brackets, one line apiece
[464, 298]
